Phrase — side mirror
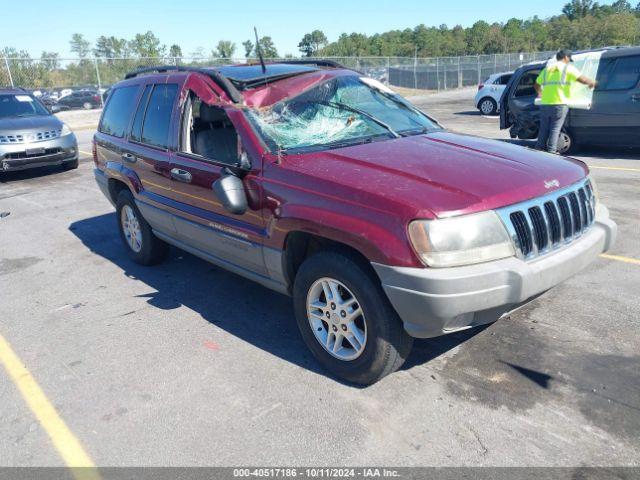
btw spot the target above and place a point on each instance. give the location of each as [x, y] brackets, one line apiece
[230, 191]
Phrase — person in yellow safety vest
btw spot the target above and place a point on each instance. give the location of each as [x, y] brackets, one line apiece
[553, 85]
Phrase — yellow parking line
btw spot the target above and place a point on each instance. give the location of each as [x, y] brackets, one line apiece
[624, 169]
[620, 258]
[63, 440]
[86, 153]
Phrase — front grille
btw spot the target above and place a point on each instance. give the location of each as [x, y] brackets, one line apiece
[30, 137]
[544, 224]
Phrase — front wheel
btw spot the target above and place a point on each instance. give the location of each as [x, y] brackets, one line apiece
[346, 319]
[87, 106]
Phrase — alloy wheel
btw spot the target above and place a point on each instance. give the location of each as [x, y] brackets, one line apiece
[336, 319]
[486, 107]
[131, 228]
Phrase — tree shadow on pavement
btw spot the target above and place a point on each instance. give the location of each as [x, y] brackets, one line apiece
[241, 307]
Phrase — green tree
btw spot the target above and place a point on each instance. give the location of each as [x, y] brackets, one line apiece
[268, 48]
[50, 60]
[147, 45]
[312, 43]
[79, 45]
[175, 51]
[579, 9]
[248, 48]
[224, 49]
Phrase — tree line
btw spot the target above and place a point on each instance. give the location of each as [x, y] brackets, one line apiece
[581, 24]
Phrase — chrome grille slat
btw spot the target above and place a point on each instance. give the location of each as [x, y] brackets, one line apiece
[30, 137]
[544, 224]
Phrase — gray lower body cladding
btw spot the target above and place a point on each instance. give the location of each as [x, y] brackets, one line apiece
[435, 301]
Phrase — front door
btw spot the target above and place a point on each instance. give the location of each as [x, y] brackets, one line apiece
[208, 142]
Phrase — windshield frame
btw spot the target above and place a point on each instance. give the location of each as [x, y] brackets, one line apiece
[252, 115]
[40, 109]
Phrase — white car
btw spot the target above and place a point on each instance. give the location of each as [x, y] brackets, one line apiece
[489, 92]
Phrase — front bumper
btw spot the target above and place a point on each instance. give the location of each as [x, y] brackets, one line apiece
[38, 154]
[435, 301]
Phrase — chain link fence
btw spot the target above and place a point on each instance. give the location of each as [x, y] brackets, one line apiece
[437, 73]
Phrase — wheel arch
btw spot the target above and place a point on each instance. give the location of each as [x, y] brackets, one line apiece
[300, 245]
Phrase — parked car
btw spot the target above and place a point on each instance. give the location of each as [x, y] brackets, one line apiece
[30, 136]
[86, 99]
[325, 185]
[490, 91]
[614, 116]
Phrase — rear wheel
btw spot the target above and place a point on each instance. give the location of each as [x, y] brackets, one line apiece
[346, 319]
[142, 245]
[488, 106]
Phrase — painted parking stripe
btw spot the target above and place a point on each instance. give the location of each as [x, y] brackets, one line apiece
[623, 169]
[620, 258]
[86, 153]
[62, 438]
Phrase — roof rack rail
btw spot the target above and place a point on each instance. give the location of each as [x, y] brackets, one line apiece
[222, 81]
[319, 62]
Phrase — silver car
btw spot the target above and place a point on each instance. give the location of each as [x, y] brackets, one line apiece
[30, 136]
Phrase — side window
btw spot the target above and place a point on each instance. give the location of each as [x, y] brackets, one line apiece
[208, 132]
[504, 79]
[117, 112]
[525, 85]
[136, 129]
[623, 74]
[155, 128]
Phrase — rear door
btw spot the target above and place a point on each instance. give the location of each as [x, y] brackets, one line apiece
[148, 153]
[614, 117]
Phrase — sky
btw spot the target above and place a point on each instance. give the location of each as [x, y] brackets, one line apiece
[201, 23]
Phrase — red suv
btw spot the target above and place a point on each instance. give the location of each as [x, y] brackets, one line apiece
[325, 185]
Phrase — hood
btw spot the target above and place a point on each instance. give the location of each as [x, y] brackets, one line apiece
[442, 174]
[38, 123]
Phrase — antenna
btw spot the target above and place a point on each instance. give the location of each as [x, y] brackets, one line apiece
[259, 51]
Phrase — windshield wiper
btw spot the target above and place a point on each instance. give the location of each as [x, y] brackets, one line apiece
[349, 108]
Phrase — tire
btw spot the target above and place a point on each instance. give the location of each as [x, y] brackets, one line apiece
[375, 326]
[149, 250]
[87, 106]
[72, 165]
[488, 106]
[566, 143]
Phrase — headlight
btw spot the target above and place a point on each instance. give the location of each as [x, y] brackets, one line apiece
[65, 130]
[464, 240]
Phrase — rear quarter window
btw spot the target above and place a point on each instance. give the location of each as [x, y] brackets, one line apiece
[118, 110]
[619, 74]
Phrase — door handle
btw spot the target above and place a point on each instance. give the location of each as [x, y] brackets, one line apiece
[128, 157]
[635, 97]
[181, 175]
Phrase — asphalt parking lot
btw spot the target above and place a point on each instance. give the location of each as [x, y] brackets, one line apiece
[185, 364]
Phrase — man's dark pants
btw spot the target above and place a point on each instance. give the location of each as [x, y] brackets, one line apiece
[551, 121]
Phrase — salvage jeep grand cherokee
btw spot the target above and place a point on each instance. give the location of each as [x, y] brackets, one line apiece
[322, 184]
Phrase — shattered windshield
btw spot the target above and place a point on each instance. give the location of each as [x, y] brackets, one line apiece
[343, 111]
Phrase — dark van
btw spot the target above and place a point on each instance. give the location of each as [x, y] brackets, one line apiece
[614, 117]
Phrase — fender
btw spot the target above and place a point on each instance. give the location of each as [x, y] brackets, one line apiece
[388, 245]
[124, 174]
